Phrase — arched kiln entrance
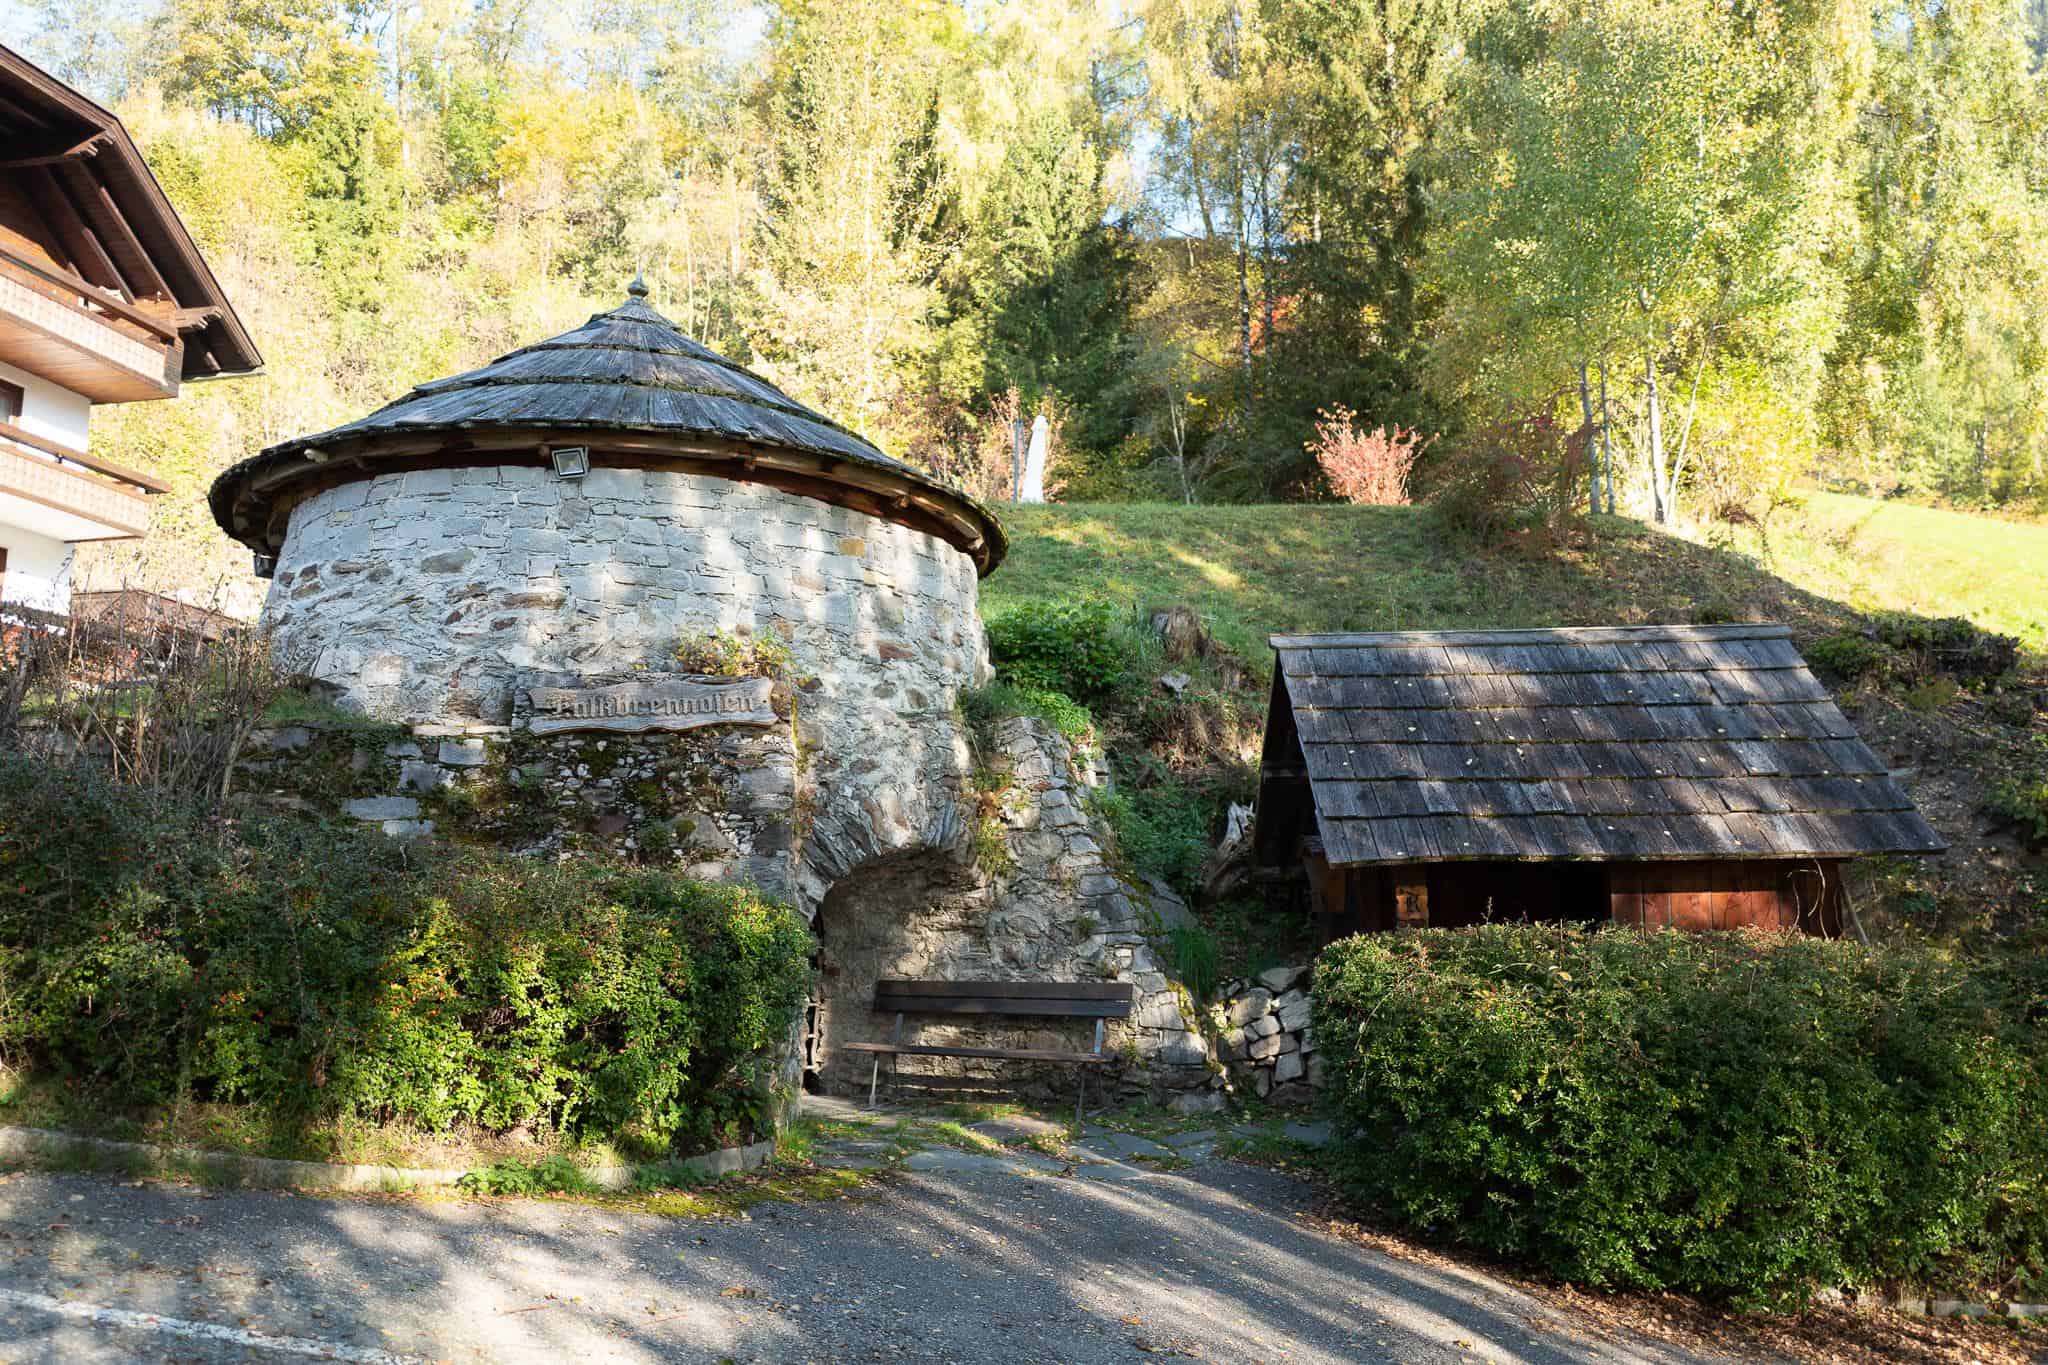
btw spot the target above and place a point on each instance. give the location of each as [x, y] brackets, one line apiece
[926, 914]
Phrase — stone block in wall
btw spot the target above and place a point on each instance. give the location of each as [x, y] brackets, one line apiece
[463, 753]
[1287, 1067]
[383, 808]
[1263, 1048]
[1293, 1010]
[1252, 1005]
[1159, 1011]
[1179, 1048]
[1280, 979]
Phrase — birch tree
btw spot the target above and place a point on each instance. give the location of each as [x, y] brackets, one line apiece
[1645, 185]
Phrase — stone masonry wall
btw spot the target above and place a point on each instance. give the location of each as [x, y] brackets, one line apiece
[1041, 901]
[1263, 1036]
[426, 597]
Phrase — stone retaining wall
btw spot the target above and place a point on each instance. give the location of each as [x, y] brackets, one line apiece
[1264, 1039]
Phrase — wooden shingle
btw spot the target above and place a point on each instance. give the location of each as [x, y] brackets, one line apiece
[1656, 742]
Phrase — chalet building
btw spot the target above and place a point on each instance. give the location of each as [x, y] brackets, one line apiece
[103, 299]
[1691, 776]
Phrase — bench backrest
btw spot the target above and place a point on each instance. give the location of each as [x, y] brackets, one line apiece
[1063, 999]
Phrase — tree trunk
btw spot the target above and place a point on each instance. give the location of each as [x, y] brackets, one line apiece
[1266, 255]
[1606, 445]
[1592, 463]
[1244, 301]
[1660, 511]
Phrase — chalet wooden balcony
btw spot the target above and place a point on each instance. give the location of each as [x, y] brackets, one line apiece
[70, 495]
[58, 326]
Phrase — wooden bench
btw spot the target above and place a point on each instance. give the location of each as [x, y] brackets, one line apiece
[1097, 1000]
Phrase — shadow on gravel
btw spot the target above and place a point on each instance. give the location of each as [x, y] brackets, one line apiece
[1210, 1263]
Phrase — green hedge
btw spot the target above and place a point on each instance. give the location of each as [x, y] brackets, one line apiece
[150, 951]
[1736, 1115]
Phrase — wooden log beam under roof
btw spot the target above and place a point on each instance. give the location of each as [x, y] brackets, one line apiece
[87, 146]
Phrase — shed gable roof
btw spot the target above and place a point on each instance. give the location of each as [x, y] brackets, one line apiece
[1615, 743]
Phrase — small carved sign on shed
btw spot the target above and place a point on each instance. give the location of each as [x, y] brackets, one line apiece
[652, 704]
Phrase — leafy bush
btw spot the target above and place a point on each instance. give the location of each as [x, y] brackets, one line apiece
[1080, 648]
[1950, 646]
[151, 951]
[551, 1175]
[2021, 800]
[1161, 824]
[984, 706]
[1365, 467]
[1732, 1114]
[1845, 655]
[1902, 645]
[1520, 483]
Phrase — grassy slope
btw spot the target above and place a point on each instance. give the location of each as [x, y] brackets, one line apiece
[1924, 559]
[1254, 571]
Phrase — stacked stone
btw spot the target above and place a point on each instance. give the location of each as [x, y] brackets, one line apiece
[720, 802]
[1265, 1038]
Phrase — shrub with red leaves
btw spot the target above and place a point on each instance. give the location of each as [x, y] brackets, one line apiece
[1370, 467]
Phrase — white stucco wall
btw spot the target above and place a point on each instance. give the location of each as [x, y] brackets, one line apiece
[39, 564]
[38, 569]
[48, 410]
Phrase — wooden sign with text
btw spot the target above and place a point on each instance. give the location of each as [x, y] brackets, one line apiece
[652, 704]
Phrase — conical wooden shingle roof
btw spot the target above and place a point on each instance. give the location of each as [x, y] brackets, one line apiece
[630, 385]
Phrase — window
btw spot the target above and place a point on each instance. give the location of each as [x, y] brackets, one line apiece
[11, 396]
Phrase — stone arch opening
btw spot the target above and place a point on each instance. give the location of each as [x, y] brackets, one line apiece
[925, 913]
[899, 914]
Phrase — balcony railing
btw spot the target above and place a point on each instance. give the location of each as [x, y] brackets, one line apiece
[99, 491]
[58, 326]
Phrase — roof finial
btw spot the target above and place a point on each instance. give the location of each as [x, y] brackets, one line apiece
[638, 288]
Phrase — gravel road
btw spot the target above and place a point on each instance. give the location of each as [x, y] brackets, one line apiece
[937, 1266]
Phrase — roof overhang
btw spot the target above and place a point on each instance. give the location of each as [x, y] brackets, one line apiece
[77, 163]
[253, 501]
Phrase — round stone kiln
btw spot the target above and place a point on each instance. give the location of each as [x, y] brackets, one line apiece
[505, 561]
[427, 555]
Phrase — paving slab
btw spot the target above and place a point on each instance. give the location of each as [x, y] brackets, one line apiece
[1123, 1146]
[954, 1162]
[1200, 1137]
[1015, 1128]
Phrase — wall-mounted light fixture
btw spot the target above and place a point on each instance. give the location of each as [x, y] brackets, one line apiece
[571, 462]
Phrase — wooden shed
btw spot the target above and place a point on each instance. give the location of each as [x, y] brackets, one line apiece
[1696, 776]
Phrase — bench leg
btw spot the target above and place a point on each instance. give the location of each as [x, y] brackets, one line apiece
[874, 1076]
[1080, 1096]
